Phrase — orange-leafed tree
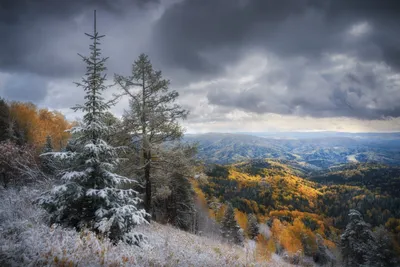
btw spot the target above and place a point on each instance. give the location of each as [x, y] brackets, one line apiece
[241, 218]
[26, 118]
[54, 124]
[34, 125]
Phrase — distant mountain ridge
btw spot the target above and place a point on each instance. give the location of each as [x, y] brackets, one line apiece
[315, 150]
[322, 134]
[378, 177]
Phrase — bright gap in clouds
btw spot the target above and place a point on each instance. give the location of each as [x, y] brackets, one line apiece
[360, 29]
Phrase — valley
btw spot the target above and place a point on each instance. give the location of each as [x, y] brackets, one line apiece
[303, 187]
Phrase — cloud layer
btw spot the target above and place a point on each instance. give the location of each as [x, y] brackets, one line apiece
[318, 59]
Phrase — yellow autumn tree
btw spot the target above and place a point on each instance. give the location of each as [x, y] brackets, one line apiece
[241, 218]
[34, 125]
[25, 116]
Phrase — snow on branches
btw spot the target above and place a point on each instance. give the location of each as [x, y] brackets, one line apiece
[91, 194]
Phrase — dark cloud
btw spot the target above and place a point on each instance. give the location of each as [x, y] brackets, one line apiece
[29, 88]
[42, 36]
[364, 91]
[198, 41]
[40, 40]
[207, 36]
[23, 11]
[190, 30]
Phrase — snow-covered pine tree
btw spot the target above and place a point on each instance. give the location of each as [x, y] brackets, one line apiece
[252, 226]
[90, 195]
[229, 227]
[358, 243]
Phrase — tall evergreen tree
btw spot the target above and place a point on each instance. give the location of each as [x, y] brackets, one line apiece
[89, 195]
[153, 115]
[230, 228]
[252, 226]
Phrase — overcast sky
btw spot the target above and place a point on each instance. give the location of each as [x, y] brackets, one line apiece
[239, 65]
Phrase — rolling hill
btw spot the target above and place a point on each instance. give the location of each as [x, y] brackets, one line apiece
[311, 150]
[272, 190]
[377, 177]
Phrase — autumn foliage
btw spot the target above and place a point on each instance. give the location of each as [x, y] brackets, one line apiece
[285, 206]
[35, 124]
[23, 134]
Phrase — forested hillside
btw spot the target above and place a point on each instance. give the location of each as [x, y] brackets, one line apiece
[301, 209]
[376, 177]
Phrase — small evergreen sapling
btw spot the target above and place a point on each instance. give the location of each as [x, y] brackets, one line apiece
[90, 194]
[230, 228]
[181, 207]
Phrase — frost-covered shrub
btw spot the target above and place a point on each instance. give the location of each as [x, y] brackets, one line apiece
[26, 239]
[17, 216]
[294, 258]
[18, 164]
[323, 256]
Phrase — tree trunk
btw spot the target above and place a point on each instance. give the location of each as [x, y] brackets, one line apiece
[146, 153]
[147, 200]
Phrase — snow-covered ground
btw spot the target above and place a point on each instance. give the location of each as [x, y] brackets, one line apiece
[27, 240]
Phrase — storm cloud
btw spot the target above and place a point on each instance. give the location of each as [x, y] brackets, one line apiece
[337, 86]
[190, 31]
[41, 36]
[322, 59]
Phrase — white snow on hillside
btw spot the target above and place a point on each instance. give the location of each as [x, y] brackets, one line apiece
[27, 240]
